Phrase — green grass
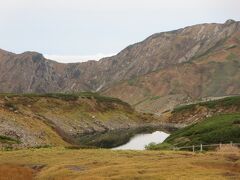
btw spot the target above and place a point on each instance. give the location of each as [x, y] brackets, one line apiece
[216, 129]
[69, 96]
[225, 102]
[229, 101]
[183, 108]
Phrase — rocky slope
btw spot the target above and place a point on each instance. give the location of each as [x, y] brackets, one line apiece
[59, 119]
[215, 72]
[178, 66]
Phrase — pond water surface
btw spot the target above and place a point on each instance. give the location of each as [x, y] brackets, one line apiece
[139, 141]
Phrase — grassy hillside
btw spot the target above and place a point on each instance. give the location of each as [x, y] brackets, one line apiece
[233, 101]
[217, 129]
[209, 122]
[69, 96]
[58, 119]
[192, 113]
[60, 163]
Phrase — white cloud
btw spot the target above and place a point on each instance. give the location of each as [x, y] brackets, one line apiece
[76, 58]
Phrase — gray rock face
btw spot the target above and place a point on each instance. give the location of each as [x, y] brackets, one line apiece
[31, 72]
[27, 72]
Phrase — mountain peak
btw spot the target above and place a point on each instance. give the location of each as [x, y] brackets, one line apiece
[35, 56]
[32, 53]
[229, 21]
[3, 52]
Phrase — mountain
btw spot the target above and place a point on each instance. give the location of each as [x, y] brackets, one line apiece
[213, 69]
[154, 75]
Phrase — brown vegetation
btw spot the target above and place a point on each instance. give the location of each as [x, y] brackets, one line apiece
[66, 164]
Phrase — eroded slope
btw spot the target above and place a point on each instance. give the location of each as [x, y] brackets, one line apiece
[54, 119]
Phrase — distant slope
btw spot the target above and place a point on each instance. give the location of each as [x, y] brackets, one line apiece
[213, 73]
[58, 119]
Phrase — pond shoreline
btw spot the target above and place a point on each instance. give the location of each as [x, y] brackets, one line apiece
[115, 138]
[140, 141]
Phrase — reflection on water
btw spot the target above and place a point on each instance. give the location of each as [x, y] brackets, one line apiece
[139, 141]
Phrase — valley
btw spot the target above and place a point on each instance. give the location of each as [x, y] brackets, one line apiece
[88, 120]
[79, 120]
[85, 119]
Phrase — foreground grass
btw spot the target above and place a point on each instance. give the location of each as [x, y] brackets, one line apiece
[60, 163]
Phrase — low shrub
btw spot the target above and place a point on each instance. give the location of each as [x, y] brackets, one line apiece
[11, 106]
[8, 140]
[162, 146]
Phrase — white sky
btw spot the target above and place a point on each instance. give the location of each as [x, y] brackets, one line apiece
[77, 58]
[87, 28]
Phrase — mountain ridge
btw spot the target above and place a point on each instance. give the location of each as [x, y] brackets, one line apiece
[30, 72]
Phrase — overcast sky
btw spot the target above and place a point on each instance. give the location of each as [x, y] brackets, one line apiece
[82, 29]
